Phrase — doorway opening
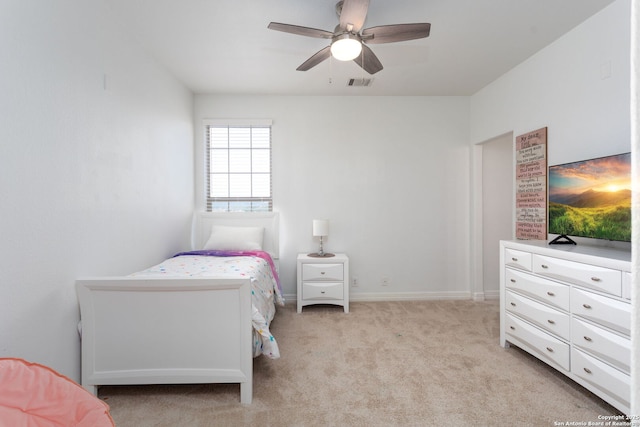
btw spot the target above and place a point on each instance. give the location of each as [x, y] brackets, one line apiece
[494, 211]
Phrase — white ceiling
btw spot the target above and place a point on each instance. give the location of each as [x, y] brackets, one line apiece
[224, 46]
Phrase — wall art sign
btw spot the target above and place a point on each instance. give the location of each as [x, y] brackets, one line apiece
[531, 185]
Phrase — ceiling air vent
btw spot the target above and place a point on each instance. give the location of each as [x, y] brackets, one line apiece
[364, 82]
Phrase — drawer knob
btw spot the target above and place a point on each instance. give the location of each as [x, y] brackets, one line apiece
[322, 272]
[513, 304]
[513, 328]
[322, 292]
[587, 370]
[544, 266]
[551, 322]
[595, 279]
[587, 306]
[587, 338]
[551, 294]
[549, 349]
[514, 259]
[513, 280]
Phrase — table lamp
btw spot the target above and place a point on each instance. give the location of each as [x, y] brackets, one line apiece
[321, 229]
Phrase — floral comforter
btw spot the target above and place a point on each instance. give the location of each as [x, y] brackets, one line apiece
[257, 265]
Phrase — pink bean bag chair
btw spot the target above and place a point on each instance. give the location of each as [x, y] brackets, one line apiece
[33, 395]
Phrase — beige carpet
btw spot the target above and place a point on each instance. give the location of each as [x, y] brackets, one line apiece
[419, 363]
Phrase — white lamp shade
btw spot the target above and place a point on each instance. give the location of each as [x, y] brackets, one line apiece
[346, 49]
[320, 227]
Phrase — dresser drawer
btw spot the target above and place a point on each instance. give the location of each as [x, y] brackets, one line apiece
[589, 276]
[537, 342]
[323, 290]
[517, 259]
[322, 272]
[626, 285]
[547, 318]
[550, 292]
[605, 345]
[601, 377]
[605, 311]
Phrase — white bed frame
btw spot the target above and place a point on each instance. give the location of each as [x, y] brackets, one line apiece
[169, 330]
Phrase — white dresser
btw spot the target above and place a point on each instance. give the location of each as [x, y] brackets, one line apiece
[323, 281]
[570, 307]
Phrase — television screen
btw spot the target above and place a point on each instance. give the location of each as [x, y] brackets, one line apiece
[591, 198]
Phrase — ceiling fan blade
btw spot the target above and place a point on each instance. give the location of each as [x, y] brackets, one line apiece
[354, 13]
[301, 31]
[317, 58]
[395, 33]
[368, 61]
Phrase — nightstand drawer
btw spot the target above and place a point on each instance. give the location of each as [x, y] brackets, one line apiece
[322, 272]
[323, 290]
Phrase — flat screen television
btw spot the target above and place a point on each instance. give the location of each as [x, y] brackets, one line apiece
[591, 198]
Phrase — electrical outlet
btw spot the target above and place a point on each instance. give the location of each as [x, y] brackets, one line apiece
[354, 282]
[385, 281]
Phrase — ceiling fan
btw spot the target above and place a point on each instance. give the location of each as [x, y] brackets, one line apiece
[348, 42]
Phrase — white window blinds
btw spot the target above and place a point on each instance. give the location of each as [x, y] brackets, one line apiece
[238, 162]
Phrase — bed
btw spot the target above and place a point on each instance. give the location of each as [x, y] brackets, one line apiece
[190, 319]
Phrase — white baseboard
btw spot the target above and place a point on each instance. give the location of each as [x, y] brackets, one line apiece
[478, 296]
[493, 294]
[409, 296]
[400, 296]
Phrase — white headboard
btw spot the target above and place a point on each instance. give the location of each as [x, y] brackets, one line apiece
[202, 222]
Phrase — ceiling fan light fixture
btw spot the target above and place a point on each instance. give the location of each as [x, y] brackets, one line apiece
[346, 47]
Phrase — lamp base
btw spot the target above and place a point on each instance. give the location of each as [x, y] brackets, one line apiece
[321, 255]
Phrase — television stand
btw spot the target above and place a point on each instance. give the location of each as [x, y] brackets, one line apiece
[563, 239]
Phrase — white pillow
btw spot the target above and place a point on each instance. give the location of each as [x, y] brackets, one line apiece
[235, 238]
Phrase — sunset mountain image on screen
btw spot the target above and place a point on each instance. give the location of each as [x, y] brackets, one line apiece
[591, 198]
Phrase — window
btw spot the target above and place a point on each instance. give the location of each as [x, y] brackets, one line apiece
[238, 162]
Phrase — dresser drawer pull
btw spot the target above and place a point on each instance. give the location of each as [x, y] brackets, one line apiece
[513, 328]
[551, 322]
[595, 279]
[587, 306]
[587, 370]
[549, 349]
[586, 338]
[513, 280]
[322, 292]
[513, 304]
[544, 266]
[551, 294]
[514, 259]
[322, 272]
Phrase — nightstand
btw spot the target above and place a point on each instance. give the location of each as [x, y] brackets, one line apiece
[323, 281]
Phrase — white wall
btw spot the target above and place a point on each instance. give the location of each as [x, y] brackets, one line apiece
[565, 88]
[96, 168]
[390, 173]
